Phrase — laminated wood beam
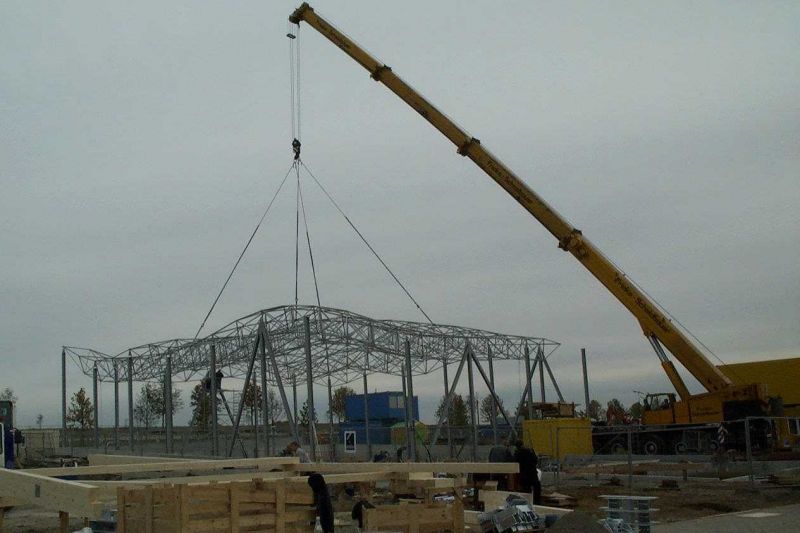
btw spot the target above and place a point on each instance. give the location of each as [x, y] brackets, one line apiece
[100, 459]
[181, 466]
[448, 468]
[75, 498]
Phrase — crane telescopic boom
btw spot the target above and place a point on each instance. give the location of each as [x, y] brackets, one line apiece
[658, 329]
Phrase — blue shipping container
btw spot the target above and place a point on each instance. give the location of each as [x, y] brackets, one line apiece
[385, 408]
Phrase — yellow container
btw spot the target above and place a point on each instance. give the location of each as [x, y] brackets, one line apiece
[558, 437]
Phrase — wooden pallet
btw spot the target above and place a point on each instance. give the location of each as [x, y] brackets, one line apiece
[232, 507]
[416, 517]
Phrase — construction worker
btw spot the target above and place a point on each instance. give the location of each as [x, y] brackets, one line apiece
[528, 470]
[294, 449]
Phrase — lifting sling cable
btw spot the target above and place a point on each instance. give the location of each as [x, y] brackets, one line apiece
[244, 250]
[364, 240]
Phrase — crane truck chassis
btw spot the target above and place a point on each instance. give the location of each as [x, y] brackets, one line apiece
[693, 416]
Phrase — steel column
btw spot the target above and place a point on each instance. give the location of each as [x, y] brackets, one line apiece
[214, 406]
[265, 397]
[291, 418]
[116, 406]
[130, 401]
[552, 377]
[585, 382]
[294, 404]
[310, 386]
[528, 389]
[168, 404]
[449, 398]
[332, 438]
[447, 410]
[96, 409]
[472, 414]
[254, 414]
[492, 391]
[410, 404]
[64, 440]
[366, 417]
[540, 358]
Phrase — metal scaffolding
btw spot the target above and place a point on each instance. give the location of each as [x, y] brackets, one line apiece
[296, 344]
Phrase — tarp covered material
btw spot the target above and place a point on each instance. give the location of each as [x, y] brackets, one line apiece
[558, 437]
[781, 376]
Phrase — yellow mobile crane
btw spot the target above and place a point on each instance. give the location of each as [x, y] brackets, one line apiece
[722, 401]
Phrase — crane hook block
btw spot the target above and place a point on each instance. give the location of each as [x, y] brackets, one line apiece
[296, 149]
[291, 35]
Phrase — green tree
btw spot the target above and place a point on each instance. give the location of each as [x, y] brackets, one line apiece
[485, 411]
[459, 411]
[339, 402]
[81, 412]
[150, 406]
[200, 402]
[303, 416]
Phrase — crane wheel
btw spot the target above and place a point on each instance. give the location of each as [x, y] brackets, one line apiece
[653, 446]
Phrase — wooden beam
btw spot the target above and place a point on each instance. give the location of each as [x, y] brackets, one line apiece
[75, 498]
[448, 468]
[100, 459]
[267, 477]
[182, 466]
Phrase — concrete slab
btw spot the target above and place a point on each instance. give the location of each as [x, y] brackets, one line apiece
[768, 520]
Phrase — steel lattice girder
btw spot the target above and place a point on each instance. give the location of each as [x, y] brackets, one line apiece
[343, 346]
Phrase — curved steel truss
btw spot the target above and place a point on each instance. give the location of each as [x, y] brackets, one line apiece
[344, 345]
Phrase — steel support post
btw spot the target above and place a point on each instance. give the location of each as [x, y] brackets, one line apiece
[447, 411]
[472, 421]
[540, 359]
[552, 377]
[332, 438]
[116, 406]
[492, 391]
[630, 457]
[366, 415]
[585, 382]
[254, 415]
[247, 379]
[265, 397]
[96, 408]
[130, 401]
[290, 417]
[214, 407]
[294, 408]
[449, 398]
[310, 386]
[410, 405]
[528, 388]
[405, 410]
[64, 440]
[168, 404]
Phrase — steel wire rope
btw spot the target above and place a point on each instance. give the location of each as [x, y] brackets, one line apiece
[364, 240]
[244, 250]
[670, 315]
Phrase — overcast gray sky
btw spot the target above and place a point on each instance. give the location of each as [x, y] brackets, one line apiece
[140, 142]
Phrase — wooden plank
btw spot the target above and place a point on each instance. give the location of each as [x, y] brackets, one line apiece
[76, 498]
[99, 459]
[63, 522]
[168, 466]
[448, 468]
[221, 477]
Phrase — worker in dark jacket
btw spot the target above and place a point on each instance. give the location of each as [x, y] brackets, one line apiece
[528, 474]
[322, 500]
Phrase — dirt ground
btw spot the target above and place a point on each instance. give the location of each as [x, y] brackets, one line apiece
[692, 499]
